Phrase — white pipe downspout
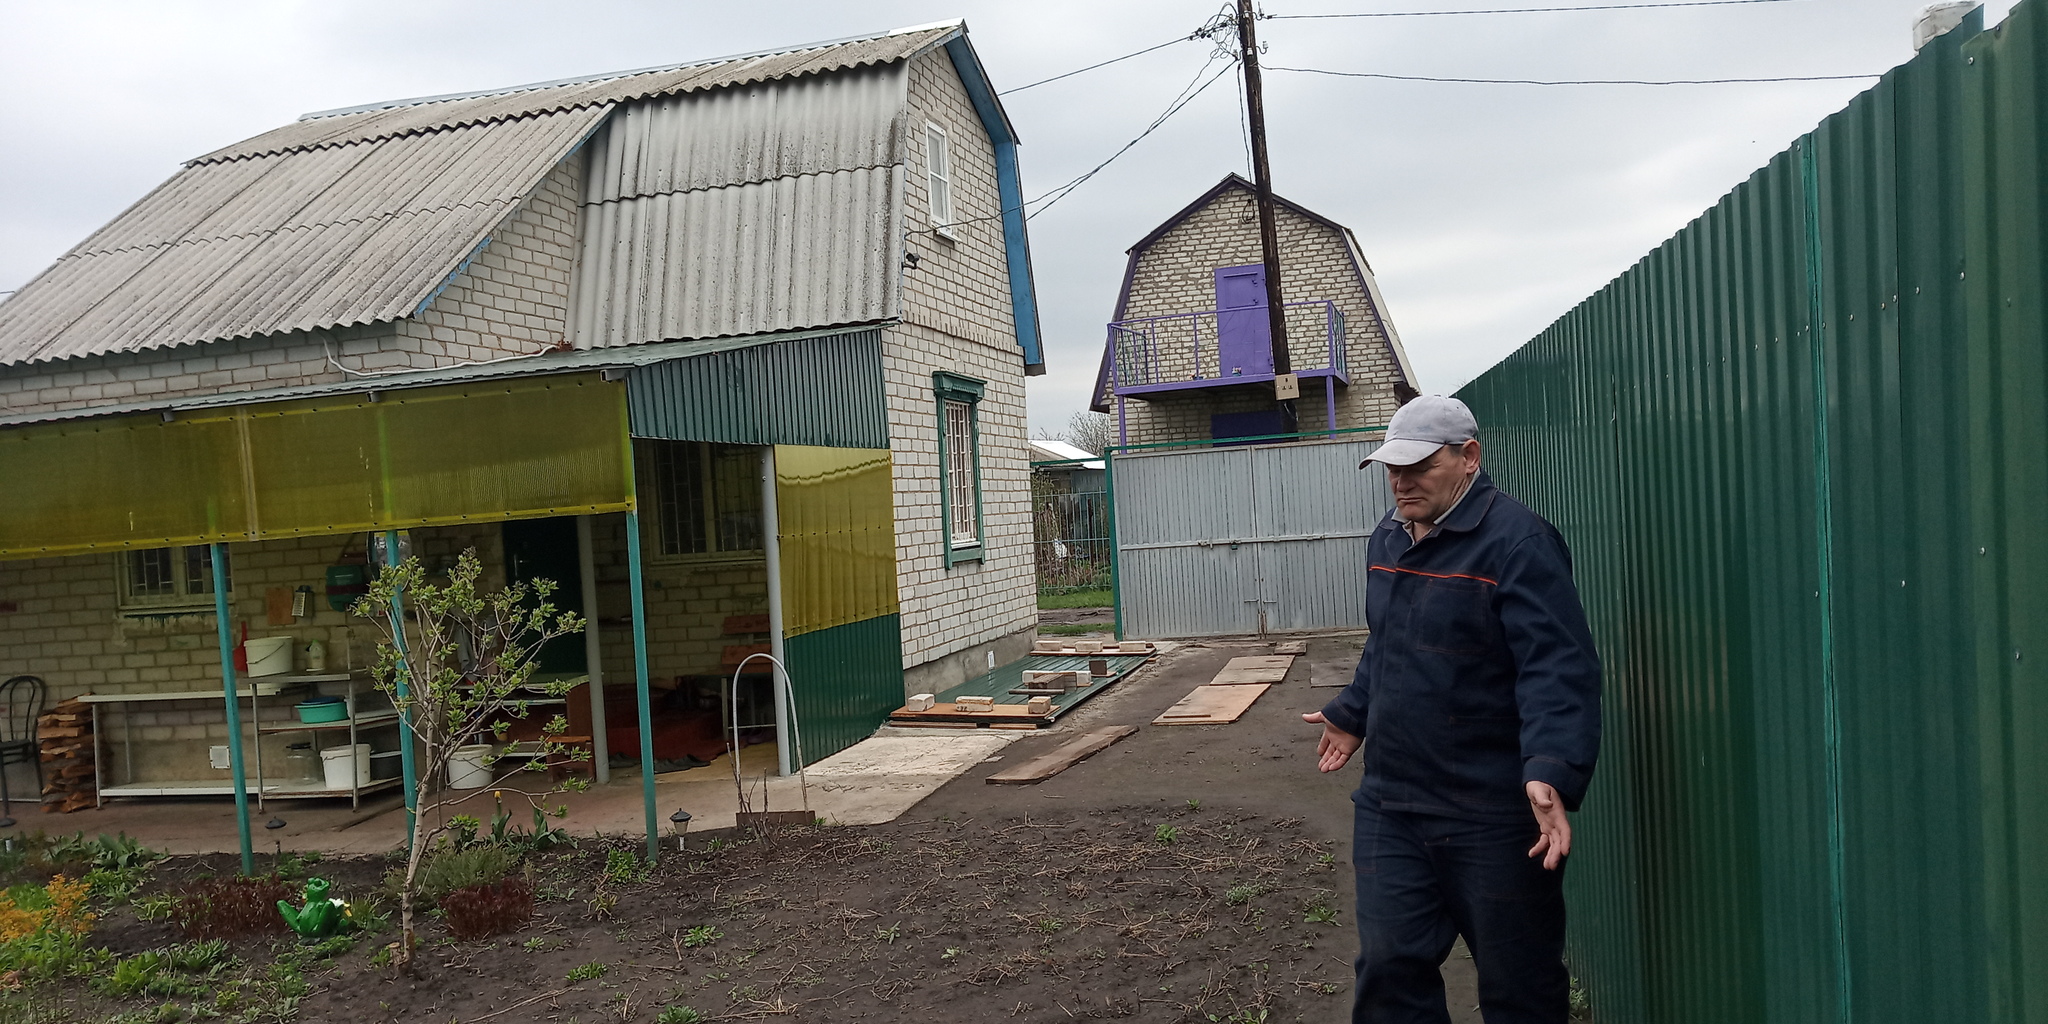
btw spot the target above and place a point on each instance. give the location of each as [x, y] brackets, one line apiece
[593, 652]
[771, 547]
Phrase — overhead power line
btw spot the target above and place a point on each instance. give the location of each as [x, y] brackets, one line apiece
[1186, 97]
[1091, 67]
[1522, 10]
[1578, 81]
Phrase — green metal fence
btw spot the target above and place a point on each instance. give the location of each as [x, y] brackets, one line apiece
[1796, 450]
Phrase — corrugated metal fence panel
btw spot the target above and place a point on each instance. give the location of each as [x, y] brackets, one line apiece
[1210, 539]
[772, 208]
[1795, 450]
[845, 681]
[825, 391]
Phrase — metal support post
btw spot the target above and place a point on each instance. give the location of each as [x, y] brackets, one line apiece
[406, 739]
[640, 684]
[771, 546]
[593, 654]
[234, 702]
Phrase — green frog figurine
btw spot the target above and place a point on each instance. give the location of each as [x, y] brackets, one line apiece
[320, 917]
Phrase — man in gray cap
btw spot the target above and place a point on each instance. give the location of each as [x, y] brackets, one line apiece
[1477, 705]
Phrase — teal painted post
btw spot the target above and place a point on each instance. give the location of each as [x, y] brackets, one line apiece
[234, 704]
[640, 683]
[406, 754]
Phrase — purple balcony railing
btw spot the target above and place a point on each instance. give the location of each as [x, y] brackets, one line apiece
[1222, 347]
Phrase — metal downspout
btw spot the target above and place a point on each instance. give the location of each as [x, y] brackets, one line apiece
[234, 706]
[406, 737]
[640, 680]
[771, 546]
[1823, 530]
[593, 654]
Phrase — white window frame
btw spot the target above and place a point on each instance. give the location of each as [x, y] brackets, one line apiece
[938, 170]
[656, 511]
[960, 477]
[185, 596]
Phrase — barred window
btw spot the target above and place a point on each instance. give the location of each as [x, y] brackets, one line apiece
[707, 498]
[959, 402]
[161, 579]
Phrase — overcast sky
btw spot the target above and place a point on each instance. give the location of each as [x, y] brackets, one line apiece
[1486, 210]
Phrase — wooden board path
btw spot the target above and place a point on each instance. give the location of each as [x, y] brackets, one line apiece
[1212, 705]
[1062, 757]
[1259, 669]
[1296, 647]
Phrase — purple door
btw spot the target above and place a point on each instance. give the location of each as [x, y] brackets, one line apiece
[1244, 329]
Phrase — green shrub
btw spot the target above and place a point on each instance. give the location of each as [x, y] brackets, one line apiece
[449, 870]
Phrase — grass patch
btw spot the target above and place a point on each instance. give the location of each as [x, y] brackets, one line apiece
[1073, 629]
[1077, 599]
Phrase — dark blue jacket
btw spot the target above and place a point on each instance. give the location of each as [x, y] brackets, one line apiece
[1479, 673]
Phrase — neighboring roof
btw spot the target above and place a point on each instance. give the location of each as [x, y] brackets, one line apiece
[1047, 450]
[352, 217]
[1099, 398]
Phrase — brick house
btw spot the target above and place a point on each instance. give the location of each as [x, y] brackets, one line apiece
[767, 316]
[1188, 354]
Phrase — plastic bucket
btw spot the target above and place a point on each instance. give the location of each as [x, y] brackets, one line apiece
[322, 709]
[269, 655]
[466, 768]
[386, 764]
[346, 767]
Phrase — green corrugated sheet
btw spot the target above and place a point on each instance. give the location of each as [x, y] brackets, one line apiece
[1797, 451]
[824, 391]
[845, 681]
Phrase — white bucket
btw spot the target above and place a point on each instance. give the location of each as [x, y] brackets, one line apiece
[346, 767]
[466, 768]
[269, 655]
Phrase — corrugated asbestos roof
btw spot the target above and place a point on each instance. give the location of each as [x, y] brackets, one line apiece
[746, 210]
[358, 217]
[412, 117]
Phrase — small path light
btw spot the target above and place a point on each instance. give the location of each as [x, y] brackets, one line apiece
[681, 820]
[277, 858]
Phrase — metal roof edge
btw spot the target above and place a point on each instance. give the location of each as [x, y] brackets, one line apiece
[537, 365]
[605, 76]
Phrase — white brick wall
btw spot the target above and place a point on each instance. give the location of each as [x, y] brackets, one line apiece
[957, 318]
[511, 299]
[1176, 274]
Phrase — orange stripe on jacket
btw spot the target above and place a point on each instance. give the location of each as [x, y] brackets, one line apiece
[1435, 575]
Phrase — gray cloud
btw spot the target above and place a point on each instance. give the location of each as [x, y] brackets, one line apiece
[1486, 211]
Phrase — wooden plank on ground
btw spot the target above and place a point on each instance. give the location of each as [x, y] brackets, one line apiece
[1212, 705]
[1062, 757]
[1293, 647]
[1260, 669]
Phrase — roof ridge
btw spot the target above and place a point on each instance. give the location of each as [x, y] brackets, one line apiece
[419, 101]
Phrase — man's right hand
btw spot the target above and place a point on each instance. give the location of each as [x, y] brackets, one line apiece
[1334, 749]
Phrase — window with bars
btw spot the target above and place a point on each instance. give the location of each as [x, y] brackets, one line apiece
[706, 498]
[959, 400]
[938, 169]
[166, 579]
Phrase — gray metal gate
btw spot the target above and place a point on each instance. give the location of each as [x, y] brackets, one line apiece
[1245, 539]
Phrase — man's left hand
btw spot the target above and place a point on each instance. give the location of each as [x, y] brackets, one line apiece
[1556, 841]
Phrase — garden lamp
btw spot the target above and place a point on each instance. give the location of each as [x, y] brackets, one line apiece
[681, 820]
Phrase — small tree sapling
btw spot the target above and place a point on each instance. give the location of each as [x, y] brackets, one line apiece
[466, 661]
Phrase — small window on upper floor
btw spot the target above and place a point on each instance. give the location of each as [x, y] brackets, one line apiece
[168, 579]
[938, 167]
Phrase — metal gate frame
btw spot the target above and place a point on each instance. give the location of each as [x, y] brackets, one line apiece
[1275, 552]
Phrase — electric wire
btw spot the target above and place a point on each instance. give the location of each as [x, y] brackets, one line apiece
[1520, 10]
[1091, 67]
[1581, 81]
[1187, 96]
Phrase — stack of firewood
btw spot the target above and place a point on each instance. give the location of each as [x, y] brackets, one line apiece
[65, 735]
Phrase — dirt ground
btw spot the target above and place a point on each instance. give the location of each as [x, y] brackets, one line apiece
[1189, 873]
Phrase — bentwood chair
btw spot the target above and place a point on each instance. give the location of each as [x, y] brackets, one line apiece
[21, 703]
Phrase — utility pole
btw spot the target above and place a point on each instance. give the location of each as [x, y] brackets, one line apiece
[1269, 232]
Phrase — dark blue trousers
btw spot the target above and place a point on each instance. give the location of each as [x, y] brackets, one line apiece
[1422, 882]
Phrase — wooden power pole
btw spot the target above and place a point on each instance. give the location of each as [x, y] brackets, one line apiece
[1269, 232]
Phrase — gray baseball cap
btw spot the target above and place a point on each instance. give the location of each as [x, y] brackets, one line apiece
[1422, 426]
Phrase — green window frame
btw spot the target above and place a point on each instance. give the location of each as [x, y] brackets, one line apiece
[958, 404]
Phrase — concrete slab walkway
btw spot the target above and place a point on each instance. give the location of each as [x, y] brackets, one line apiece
[871, 782]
